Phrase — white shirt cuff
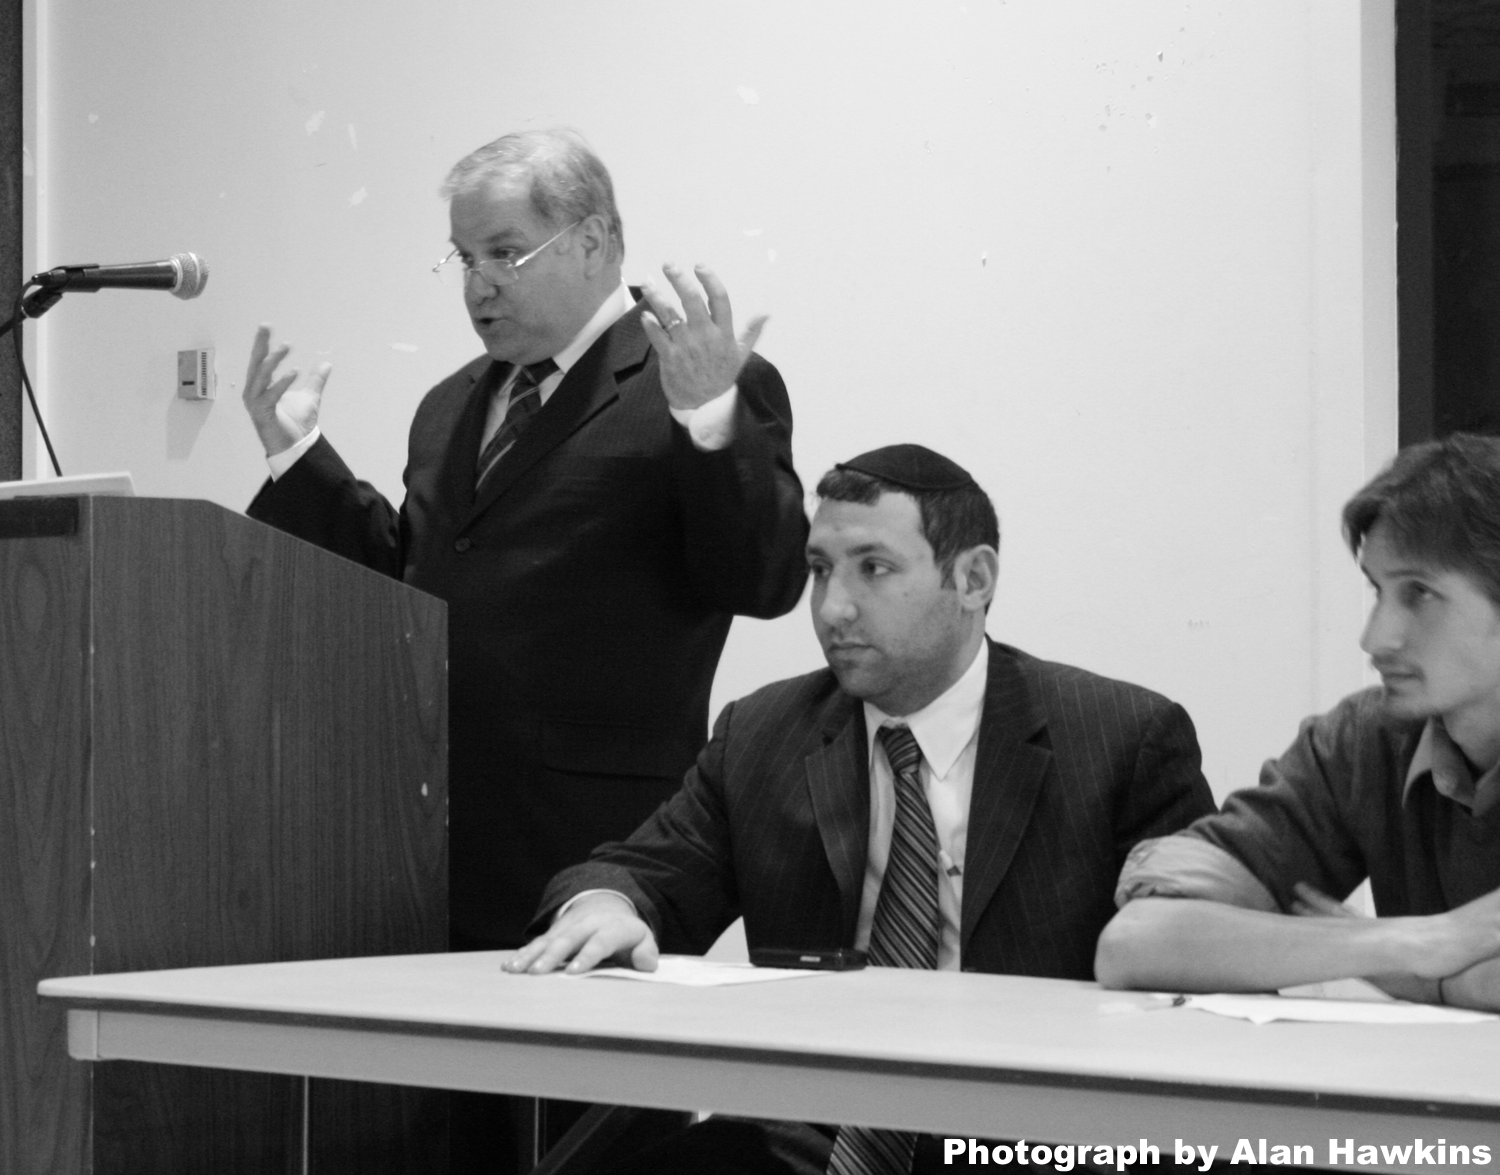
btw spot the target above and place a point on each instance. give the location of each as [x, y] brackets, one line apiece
[284, 460]
[710, 425]
[568, 905]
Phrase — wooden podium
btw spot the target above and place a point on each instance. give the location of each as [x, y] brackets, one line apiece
[218, 744]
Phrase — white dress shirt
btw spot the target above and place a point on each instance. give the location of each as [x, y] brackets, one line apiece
[711, 425]
[947, 731]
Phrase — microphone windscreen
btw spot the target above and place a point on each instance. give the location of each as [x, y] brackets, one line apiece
[194, 271]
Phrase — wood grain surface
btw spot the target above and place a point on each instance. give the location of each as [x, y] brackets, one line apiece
[44, 846]
[252, 734]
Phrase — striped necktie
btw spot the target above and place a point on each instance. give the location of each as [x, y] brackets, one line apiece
[903, 934]
[525, 402]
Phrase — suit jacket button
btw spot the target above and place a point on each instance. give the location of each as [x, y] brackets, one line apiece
[462, 545]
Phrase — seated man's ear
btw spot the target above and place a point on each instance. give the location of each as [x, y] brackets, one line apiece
[976, 572]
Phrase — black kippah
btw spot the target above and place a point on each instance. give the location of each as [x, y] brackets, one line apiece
[910, 466]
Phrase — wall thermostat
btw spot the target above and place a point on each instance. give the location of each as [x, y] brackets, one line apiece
[195, 374]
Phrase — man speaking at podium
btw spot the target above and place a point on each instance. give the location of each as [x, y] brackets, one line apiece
[595, 497]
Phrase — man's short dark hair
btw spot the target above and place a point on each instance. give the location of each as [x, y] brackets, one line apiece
[952, 520]
[1439, 502]
[568, 182]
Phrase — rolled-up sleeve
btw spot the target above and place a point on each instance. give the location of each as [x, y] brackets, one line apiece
[1182, 866]
[1300, 826]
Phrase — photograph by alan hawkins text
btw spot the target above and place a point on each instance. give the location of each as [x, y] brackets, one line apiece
[1342, 1152]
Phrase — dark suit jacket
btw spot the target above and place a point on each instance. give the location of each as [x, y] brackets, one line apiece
[772, 821]
[590, 588]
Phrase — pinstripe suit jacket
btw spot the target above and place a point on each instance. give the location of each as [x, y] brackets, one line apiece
[772, 821]
[589, 587]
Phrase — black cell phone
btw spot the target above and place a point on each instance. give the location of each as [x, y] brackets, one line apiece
[836, 959]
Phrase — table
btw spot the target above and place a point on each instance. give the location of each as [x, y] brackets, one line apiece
[952, 1054]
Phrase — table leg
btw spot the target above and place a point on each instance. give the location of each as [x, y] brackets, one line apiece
[306, 1126]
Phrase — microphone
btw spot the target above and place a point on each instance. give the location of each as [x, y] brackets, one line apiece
[183, 274]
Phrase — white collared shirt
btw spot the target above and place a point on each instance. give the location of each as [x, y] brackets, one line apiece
[711, 425]
[947, 731]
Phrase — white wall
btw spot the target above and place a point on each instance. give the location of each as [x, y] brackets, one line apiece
[1129, 263]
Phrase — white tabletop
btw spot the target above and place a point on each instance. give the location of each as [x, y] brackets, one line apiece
[955, 1054]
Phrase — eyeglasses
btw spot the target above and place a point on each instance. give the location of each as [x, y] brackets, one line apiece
[496, 271]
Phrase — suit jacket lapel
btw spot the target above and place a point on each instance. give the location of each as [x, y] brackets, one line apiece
[838, 781]
[590, 386]
[1008, 771]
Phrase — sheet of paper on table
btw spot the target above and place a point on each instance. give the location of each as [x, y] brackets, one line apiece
[1262, 1009]
[1341, 1001]
[1340, 989]
[691, 971]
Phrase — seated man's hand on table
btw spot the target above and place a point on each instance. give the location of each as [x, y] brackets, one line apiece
[1478, 987]
[597, 928]
[1446, 973]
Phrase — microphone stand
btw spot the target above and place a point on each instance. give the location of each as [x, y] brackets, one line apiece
[33, 305]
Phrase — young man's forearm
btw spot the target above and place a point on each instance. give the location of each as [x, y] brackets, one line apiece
[1185, 944]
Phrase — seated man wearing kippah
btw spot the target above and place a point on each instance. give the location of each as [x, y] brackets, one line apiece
[1400, 784]
[933, 797]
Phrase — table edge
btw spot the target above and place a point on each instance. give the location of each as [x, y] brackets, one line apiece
[1248, 1094]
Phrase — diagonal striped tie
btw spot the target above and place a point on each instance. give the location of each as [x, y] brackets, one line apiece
[525, 402]
[903, 934]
